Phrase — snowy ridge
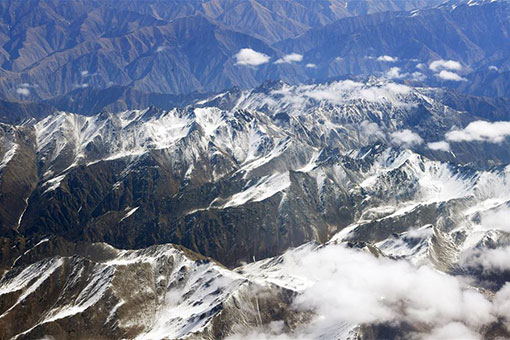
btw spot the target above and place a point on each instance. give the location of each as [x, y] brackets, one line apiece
[263, 189]
[11, 151]
[27, 276]
[249, 129]
[187, 288]
[395, 182]
[279, 129]
[434, 181]
[125, 134]
[192, 293]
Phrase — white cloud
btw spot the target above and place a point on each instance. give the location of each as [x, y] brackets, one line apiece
[406, 138]
[290, 58]
[440, 146]
[453, 330]
[501, 304]
[272, 331]
[388, 92]
[369, 129]
[310, 65]
[493, 68]
[249, 57]
[496, 219]
[339, 59]
[452, 76]
[441, 64]
[420, 66]
[418, 76]
[341, 92]
[482, 131]
[387, 59]
[490, 260]
[161, 48]
[394, 73]
[347, 287]
[84, 73]
[23, 91]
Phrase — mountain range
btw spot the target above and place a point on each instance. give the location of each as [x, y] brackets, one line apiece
[51, 49]
[238, 177]
[252, 169]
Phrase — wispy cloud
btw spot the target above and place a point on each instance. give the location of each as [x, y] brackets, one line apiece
[406, 138]
[501, 304]
[290, 58]
[394, 73]
[488, 260]
[418, 76]
[342, 92]
[482, 131]
[452, 330]
[439, 146]
[421, 66]
[24, 89]
[369, 129]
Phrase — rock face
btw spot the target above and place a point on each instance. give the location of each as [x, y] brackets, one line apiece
[49, 50]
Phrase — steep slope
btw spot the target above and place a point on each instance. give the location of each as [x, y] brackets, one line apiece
[274, 21]
[492, 82]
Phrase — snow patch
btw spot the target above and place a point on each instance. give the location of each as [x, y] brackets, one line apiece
[266, 187]
[129, 213]
[8, 155]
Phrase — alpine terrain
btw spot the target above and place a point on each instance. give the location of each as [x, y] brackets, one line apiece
[252, 169]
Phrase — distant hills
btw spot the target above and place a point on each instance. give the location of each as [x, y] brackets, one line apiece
[51, 51]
